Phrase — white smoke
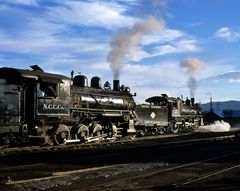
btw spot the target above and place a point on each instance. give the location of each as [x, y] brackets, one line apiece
[192, 84]
[217, 126]
[128, 38]
[193, 66]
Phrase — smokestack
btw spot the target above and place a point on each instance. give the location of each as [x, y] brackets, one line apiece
[192, 101]
[116, 85]
[211, 107]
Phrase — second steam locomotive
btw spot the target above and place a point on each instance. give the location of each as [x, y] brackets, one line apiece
[59, 110]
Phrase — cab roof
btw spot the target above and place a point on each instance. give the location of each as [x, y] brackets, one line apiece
[19, 75]
[160, 99]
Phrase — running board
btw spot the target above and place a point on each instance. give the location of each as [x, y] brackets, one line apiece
[88, 139]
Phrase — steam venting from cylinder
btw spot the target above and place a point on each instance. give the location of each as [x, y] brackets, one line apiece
[193, 66]
[128, 38]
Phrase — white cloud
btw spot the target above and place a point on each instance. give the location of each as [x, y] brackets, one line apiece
[44, 35]
[234, 80]
[231, 77]
[215, 67]
[41, 37]
[23, 2]
[160, 74]
[154, 79]
[177, 46]
[100, 14]
[196, 24]
[166, 35]
[184, 45]
[228, 34]
[168, 41]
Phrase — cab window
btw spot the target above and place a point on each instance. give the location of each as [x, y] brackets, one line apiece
[48, 90]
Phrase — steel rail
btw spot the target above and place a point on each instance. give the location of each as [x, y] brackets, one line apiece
[55, 175]
[29, 149]
[206, 175]
[121, 180]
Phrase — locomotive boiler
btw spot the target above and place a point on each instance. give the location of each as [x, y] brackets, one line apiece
[98, 111]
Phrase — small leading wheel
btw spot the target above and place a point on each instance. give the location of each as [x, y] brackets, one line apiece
[133, 137]
[161, 130]
[174, 128]
[195, 126]
[61, 135]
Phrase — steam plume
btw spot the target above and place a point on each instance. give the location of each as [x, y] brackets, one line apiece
[193, 66]
[217, 126]
[126, 39]
[192, 84]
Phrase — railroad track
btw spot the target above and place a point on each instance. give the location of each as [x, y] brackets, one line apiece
[4, 149]
[130, 143]
[207, 175]
[179, 183]
[68, 176]
[29, 149]
[120, 145]
[116, 179]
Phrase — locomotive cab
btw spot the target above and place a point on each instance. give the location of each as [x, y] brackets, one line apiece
[152, 118]
[32, 103]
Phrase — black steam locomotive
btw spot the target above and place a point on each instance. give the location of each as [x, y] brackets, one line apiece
[59, 110]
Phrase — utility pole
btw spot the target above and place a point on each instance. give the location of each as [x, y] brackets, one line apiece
[211, 108]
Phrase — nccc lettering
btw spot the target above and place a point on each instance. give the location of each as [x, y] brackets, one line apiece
[52, 106]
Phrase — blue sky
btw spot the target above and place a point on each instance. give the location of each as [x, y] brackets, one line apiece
[61, 36]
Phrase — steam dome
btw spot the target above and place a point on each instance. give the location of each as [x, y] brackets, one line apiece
[96, 82]
[80, 81]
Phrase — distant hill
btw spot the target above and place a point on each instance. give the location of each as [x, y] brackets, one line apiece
[220, 106]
